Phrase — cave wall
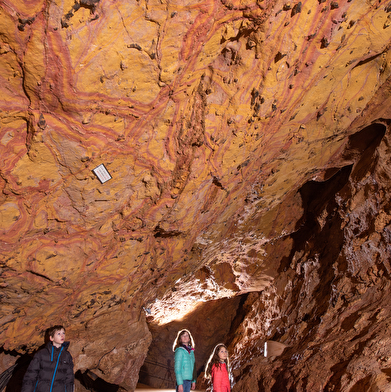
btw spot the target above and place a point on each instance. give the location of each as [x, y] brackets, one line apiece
[330, 303]
[228, 128]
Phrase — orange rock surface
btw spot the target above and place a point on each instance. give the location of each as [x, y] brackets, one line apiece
[228, 127]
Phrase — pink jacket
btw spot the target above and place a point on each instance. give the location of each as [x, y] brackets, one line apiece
[220, 379]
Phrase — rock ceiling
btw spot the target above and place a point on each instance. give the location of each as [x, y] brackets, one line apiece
[248, 145]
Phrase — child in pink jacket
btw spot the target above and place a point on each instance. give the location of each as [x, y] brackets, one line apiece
[217, 369]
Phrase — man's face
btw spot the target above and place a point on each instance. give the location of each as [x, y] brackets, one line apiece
[59, 338]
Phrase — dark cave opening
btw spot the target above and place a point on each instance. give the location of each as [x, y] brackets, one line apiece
[11, 379]
[93, 383]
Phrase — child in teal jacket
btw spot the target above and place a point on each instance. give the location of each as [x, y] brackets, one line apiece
[184, 361]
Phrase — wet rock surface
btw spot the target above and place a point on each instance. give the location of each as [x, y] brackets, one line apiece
[248, 145]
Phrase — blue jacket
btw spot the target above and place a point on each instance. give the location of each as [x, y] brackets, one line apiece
[184, 365]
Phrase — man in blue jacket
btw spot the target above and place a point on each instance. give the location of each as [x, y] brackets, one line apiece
[51, 369]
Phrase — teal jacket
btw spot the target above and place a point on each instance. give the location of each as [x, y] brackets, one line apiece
[184, 365]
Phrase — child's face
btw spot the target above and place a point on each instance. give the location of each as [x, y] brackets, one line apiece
[222, 354]
[185, 338]
[59, 338]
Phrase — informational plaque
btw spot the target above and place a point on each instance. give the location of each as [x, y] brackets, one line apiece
[102, 173]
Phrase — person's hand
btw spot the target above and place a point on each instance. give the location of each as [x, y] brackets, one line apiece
[193, 386]
[180, 388]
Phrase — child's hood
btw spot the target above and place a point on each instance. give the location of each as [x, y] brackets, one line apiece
[64, 346]
[184, 348]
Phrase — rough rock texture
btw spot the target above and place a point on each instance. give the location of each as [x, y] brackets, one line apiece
[331, 307]
[249, 148]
